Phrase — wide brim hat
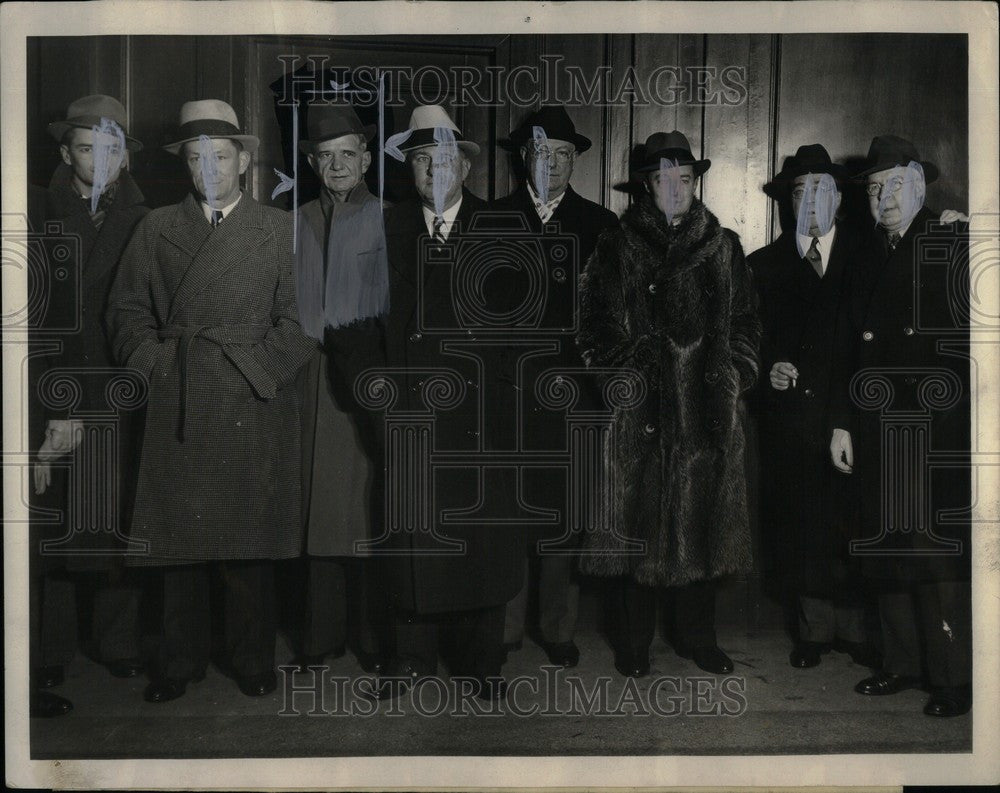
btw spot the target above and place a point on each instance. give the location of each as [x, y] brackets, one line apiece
[891, 151]
[212, 118]
[91, 111]
[424, 121]
[556, 124]
[812, 158]
[671, 146]
[329, 122]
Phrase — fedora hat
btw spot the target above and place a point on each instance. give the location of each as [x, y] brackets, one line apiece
[90, 111]
[812, 158]
[890, 151]
[326, 122]
[555, 122]
[671, 146]
[212, 118]
[427, 118]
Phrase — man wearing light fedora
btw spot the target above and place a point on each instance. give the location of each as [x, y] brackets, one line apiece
[459, 595]
[806, 512]
[95, 200]
[549, 145]
[342, 284]
[204, 305]
[906, 337]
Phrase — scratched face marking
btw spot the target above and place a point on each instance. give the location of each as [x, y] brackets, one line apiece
[444, 176]
[209, 168]
[109, 155]
[540, 164]
[815, 200]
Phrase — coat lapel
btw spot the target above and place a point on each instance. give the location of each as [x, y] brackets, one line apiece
[115, 231]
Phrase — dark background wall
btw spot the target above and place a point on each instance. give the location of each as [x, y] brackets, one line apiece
[839, 90]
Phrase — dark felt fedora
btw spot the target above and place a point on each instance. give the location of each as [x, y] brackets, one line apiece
[671, 146]
[890, 151]
[555, 122]
[212, 118]
[88, 112]
[326, 122]
[812, 158]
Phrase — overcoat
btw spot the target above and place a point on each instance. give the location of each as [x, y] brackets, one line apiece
[677, 305]
[444, 370]
[806, 505]
[77, 296]
[209, 316]
[903, 391]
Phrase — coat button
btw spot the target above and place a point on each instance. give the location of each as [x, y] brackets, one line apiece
[559, 276]
[652, 289]
[907, 331]
[650, 429]
[711, 377]
[808, 392]
[714, 423]
[867, 335]
[416, 336]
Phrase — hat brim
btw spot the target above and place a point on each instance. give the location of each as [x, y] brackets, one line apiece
[781, 184]
[519, 138]
[250, 143]
[465, 145]
[930, 170]
[58, 129]
[309, 146]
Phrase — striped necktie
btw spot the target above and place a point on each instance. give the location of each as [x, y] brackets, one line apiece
[216, 217]
[438, 233]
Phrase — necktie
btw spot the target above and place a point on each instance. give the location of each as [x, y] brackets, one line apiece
[893, 241]
[438, 230]
[813, 257]
[216, 217]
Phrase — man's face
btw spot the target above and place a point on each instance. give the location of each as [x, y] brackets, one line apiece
[673, 189]
[895, 195]
[216, 175]
[79, 154]
[815, 201]
[438, 174]
[341, 163]
[552, 161]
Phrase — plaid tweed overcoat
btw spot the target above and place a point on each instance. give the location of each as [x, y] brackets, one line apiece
[209, 315]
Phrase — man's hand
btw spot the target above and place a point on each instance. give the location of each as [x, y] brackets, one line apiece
[61, 437]
[43, 477]
[783, 374]
[842, 451]
[951, 215]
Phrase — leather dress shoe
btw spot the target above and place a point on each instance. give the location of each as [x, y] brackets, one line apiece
[371, 662]
[565, 654]
[884, 683]
[257, 685]
[632, 664]
[861, 653]
[46, 705]
[48, 676]
[709, 659]
[946, 702]
[399, 679]
[125, 667]
[806, 655]
[167, 689]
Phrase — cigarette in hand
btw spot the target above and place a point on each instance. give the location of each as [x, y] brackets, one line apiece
[793, 382]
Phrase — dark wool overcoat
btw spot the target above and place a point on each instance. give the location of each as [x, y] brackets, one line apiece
[903, 392]
[806, 508]
[677, 305]
[209, 316]
[425, 341]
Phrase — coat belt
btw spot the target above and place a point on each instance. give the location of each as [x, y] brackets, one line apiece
[229, 338]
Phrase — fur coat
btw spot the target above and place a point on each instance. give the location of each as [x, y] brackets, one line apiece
[675, 304]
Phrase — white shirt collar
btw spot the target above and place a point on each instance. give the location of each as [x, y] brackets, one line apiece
[537, 201]
[804, 242]
[448, 217]
[225, 210]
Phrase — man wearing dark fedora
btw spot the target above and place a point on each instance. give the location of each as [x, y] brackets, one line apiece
[549, 145]
[342, 285]
[667, 293]
[805, 505]
[906, 374]
[204, 306]
[95, 200]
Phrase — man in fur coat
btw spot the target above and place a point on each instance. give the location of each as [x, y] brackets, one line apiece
[204, 305]
[668, 294]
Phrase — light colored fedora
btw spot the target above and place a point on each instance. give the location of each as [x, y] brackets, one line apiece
[89, 112]
[212, 118]
[424, 120]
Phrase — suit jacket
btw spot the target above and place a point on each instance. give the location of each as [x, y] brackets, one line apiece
[209, 316]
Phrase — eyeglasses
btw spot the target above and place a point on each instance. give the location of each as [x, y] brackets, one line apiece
[799, 192]
[562, 156]
[893, 185]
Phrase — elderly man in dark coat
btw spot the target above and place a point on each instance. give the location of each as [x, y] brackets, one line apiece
[204, 305]
[457, 573]
[549, 145]
[668, 294]
[805, 506]
[342, 285]
[95, 201]
[902, 399]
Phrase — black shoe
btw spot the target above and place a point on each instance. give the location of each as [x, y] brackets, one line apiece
[806, 655]
[258, 685]
[884, 683]
[126, 667]
[709, 659]
[861, 653]
[393, 685]
[372, 663]
[165, 690]
[565, 654]
[632, 664]
[48, 676]
[491, 689]
[947, 702]
[46, 705]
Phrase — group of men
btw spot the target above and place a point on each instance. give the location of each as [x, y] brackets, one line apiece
[263, 438]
